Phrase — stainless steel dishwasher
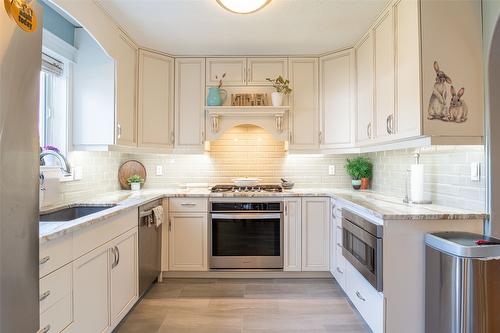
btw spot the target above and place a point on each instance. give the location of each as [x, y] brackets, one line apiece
[462, 283]
[149, 247]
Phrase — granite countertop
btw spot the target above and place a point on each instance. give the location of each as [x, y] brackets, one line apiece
[380, 206]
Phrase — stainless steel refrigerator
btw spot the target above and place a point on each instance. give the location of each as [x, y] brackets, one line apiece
[20, 59]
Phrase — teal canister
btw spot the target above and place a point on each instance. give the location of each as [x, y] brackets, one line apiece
[216, 96]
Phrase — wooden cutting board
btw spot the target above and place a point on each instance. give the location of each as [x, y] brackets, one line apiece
[128, 169]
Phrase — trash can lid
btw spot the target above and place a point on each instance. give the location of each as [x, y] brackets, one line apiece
[464, 244]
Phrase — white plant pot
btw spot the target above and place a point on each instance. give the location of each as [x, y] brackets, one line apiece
[135, 186]
[277, 98]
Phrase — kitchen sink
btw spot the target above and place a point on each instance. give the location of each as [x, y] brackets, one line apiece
[73, 212]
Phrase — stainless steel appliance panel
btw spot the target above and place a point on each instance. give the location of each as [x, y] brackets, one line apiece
[20, 63]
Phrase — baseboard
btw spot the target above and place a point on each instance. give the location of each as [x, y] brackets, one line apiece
[246, 274]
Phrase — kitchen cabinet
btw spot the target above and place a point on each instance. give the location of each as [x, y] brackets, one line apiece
[189, 103]
[188, 242]
[126, 80]
[156, 100]
[315, 234]
[304, 101]
[365, 88]
[245, 71]
[383, 33]
[337, 100]
[292, 235]
[337, 260]
[235, 69]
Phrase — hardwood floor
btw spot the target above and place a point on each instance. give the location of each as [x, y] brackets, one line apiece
[244, 305]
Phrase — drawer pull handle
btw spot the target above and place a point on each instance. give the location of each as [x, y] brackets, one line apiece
[188, 204]
[340, 271]
[45, 329]
[44, 295]
[44, 260]
[358, 294]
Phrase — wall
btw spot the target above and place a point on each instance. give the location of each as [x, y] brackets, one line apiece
[447, 174]
[58, 25]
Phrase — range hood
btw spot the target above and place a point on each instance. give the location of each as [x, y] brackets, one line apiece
[273, 119]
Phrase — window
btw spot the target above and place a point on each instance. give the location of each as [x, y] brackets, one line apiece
[53, 113]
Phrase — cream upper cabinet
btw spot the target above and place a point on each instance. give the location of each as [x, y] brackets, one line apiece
[364, 72]
[304, 101]
[337, 100]
[189, 103]
[259, 69]
[292, 235]
[408, 102]
[126, 80]
[315, 234]
[384, 75]
[234, 68]
[156, 100]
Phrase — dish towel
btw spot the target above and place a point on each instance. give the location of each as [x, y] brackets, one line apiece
[158, 215]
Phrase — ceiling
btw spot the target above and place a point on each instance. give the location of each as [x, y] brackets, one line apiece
[284, 27]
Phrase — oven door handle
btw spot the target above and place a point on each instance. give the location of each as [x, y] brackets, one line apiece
[247, 216]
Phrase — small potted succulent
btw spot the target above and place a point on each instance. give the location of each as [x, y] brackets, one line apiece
[282, 89]
[135, 182]
[361, 171]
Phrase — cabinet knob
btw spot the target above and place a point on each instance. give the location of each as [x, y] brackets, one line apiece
[340, 271]
[358, 295]
[44, 295]
[119, 127]
[45, 329]
[44, 260]
[369, 130]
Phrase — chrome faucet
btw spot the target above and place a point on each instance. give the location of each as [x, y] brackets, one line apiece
[62, 160]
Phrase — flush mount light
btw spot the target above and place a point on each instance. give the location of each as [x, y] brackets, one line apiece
[243, 6]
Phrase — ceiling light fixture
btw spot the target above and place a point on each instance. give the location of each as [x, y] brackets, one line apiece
[243, 6]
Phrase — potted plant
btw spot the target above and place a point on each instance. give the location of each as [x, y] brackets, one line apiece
[361, 170]
[135, 182]
[214, 93]
[282, 89]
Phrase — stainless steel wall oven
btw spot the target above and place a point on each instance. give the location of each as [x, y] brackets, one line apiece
[245, 233]
[362, 246]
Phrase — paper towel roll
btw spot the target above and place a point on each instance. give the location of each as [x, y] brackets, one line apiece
[417, 183]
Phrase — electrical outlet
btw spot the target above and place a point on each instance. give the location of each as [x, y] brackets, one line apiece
[475, 171]
[159, 170]
[331, 170]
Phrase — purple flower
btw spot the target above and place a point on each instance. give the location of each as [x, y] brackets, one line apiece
[53, 148]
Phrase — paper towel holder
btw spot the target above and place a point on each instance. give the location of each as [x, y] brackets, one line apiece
[407, 198]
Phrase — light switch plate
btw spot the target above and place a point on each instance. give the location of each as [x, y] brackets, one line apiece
[159, 170]
[331, 170]
[475, 171]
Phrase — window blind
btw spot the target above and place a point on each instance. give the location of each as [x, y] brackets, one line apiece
[52, 66]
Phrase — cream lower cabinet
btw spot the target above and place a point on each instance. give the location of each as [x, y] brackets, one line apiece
[292, 235]
[315, 234]
[187, 242]
[105, 284]
[337, 260]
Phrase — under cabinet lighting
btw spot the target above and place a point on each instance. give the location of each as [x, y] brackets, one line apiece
[243, 6]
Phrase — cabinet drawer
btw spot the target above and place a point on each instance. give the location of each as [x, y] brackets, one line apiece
[368, 301]
[55, 254]
[54, 287]
[339, 269]
[188, 205]
[58, 317]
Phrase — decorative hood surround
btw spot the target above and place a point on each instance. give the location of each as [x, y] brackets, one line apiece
[273, 119]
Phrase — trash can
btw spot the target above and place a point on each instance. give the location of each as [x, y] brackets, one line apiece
[462, 283]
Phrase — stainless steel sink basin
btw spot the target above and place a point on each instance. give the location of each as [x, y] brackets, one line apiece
[73, 212]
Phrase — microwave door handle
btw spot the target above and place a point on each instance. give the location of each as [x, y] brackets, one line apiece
[247, 216]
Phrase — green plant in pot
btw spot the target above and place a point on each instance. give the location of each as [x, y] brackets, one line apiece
[361, 171]
[135, 182]
[282, 89]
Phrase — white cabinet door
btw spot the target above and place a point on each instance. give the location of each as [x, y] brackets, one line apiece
[409, 103]
[304, 101]
[292, 235]
[156, 100]
[337, 100]
[189, 103]
[234, 68]
[126, 79]
[315, 234]
[124, 274]
[91, 291]
[364, 71]
[188, 242]
[384, 76]
[259, 69]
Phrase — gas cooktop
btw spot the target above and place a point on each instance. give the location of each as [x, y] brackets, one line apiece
[243, 189]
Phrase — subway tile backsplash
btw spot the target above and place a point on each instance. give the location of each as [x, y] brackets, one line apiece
[249, 151]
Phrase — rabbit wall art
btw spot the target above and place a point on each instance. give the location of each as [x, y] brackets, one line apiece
[438, 104]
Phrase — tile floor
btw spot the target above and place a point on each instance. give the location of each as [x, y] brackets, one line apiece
[244, 305]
